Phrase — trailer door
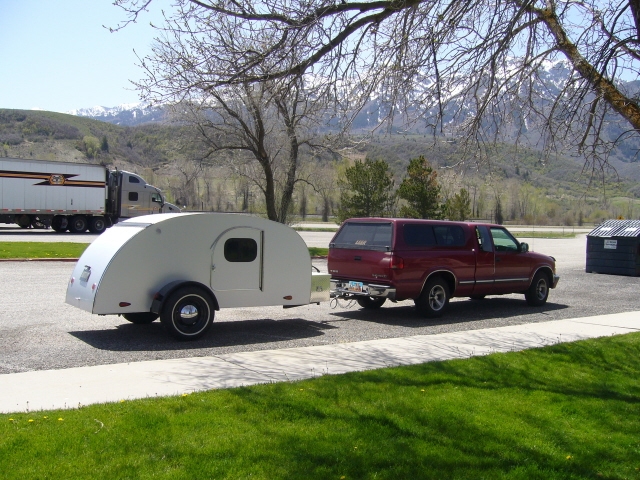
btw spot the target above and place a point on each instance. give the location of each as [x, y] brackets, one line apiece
[237, 260]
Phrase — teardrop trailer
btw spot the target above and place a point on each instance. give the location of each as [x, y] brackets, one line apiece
[183, 267]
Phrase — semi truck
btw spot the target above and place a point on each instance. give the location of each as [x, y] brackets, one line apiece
[73, 197]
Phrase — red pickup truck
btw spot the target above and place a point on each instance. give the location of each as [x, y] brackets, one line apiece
[375, 259]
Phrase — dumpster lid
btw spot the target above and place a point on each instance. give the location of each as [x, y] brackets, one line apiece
[616, 228]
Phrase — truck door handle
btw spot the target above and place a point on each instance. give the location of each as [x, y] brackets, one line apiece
[497, 259]
[357, 259]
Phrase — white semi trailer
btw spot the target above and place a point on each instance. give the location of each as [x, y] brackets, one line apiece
[73, 196]
[183, 267]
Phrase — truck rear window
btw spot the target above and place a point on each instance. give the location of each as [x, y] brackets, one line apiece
[434, 235]
[372, 236]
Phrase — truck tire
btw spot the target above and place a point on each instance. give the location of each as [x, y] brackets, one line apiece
[434, 298]
[538, 291]
[78, 224]
[23, 221]
[97, 224]
[59, 223]
[141, 318]
[370, 303]
[188, 313]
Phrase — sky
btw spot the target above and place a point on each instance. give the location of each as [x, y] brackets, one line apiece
[55, 54]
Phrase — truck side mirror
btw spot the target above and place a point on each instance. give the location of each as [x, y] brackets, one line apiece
[524, 247]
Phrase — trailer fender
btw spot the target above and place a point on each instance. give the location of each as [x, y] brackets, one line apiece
[169, 288]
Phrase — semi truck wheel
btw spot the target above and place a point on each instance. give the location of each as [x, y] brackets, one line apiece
[141, 318]
[78, 224]
[97, 225]
[60, 223]
[23, 221]
[370, 303]
[188, 313]
[434, 298]
[538, 291]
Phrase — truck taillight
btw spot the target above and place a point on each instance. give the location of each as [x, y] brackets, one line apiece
[396, 263]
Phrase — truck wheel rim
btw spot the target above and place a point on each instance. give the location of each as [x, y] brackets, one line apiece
[437, 297]
[541, 289]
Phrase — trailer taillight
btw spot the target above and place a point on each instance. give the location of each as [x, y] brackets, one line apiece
[396, 262]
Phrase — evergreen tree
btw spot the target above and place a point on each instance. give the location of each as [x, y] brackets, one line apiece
[366, 190]
[459, 207]
[421, 191]
[104, 146]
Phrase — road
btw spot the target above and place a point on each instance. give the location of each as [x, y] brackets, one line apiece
[38, 331]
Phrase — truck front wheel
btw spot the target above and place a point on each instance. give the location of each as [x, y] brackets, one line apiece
[538, 292]
[188, 313]
[434, 298]
[78, 224]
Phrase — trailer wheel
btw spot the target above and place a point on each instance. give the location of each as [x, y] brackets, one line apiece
[78, 224]
[23, 221]
[370, 303]
[97, 225]
[538, 291]
[188, 313]
[434, 298]
[141, 318]
[60, 223]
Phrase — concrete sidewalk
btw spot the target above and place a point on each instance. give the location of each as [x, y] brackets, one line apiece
[70, 388]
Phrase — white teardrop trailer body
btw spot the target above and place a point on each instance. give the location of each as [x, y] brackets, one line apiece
[182, 267]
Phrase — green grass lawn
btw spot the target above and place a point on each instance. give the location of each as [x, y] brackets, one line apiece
[542, 234]
[41, 249]
[568, 411]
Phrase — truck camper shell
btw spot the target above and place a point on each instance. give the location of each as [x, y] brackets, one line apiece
[230, 260]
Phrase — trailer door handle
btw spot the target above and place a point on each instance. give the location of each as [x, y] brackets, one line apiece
[213, 267]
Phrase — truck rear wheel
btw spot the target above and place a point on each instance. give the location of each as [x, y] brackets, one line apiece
[538, 291]
[434, 298]
[141, 318]
[188, 313]
[97, 225]
[78, 224]
[23, 221]
[60, 223]
[370, 303]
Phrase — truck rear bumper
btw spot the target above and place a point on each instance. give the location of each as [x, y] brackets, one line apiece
[347, 288]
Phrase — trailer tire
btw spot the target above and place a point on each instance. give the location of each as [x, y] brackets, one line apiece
[60, 223]
[97, 225]
[434, 298]
[23, 221]
[188, 313]
[78, 224]
[141, 318]
[370, 303]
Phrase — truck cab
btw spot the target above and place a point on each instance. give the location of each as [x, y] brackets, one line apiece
[137, 197]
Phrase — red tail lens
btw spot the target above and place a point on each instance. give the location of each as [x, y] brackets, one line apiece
[396, 262]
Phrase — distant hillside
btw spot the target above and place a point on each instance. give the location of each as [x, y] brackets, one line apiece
[527, 181]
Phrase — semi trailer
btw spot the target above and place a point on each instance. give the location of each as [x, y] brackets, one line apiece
[73, 197]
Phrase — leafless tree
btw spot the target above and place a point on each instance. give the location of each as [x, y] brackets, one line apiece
[479, 63]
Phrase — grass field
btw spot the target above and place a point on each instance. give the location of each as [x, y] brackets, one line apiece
[41, 249]
[569, 411]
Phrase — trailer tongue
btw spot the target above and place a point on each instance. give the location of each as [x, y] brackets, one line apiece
[183, 267]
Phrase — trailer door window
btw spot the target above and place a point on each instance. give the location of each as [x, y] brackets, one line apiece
[240, 250]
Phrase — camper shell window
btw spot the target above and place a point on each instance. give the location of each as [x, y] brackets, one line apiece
[372, 236]
[240, 250]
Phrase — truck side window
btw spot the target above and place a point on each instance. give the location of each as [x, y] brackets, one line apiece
[133, 196]
[133, 179]
[419, 235]
[449, 235]
[484, 240]
[503, 240]
[240, 250]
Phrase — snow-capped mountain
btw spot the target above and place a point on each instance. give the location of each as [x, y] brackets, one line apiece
[128, 114]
